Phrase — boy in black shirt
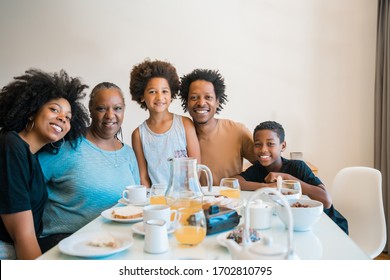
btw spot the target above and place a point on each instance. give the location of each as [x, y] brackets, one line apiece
[269, 143]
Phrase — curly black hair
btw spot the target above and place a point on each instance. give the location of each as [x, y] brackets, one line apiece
[212, 76]
[22, 98]
[144, 71]
[271, 125]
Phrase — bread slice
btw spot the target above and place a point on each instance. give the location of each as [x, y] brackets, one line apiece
[104, 241]
[127, 212]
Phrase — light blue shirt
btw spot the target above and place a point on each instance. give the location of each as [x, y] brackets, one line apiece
[84, 182]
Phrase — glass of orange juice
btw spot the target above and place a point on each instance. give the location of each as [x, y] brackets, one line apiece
[157, 194]
[230, 187]
[190, 226]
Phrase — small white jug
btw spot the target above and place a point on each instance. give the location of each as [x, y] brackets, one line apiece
[156, 237]
[260, 214]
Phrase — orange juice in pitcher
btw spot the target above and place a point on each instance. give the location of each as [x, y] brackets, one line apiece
[184, 189]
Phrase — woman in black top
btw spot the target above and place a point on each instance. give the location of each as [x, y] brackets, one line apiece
[37, 110]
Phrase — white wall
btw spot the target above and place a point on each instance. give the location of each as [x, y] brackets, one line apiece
[308, 64]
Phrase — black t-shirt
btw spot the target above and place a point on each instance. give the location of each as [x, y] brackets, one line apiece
[22, 185]
[299, 169]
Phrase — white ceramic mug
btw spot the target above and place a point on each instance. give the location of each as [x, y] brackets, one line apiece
[135, 194]
[159, 212]
[260, 214]
[156, 236]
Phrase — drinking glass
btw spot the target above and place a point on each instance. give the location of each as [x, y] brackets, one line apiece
[157, 194]
[292, 185]
[190, 226]
[230, 187]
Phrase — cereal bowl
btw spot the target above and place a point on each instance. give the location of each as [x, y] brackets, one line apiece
[305, 213]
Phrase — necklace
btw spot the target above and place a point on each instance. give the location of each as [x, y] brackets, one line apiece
[107, 157]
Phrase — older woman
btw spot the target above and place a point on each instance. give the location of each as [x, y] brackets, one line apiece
[84, 182]
[37, 110]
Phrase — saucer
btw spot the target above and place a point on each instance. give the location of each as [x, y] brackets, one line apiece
[139, 228]
[123, 201]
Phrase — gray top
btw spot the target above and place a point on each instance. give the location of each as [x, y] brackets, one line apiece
[159, 148]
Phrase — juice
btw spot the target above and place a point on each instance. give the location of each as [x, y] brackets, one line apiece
[192, 204]
[188, 203]
[158, 199]
[190, 235]
[233, 193]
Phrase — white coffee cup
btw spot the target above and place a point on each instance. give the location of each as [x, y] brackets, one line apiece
[260, 214]
[159, 212]
[135, 194]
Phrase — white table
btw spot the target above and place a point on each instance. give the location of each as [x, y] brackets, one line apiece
[326, 241]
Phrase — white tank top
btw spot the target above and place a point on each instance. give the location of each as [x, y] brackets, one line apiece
[159, 148]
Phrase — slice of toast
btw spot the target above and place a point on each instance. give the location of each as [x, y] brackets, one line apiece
[105, 240]
[127, 212]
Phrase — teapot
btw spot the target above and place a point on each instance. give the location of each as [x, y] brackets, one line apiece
[184, 188]
[265, 249]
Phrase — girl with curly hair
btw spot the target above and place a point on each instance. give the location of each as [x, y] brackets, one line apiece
[164, 135]
[37, 110]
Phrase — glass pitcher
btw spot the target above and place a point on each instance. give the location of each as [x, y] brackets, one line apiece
[184, 190]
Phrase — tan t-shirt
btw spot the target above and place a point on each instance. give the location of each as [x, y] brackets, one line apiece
[224, 149]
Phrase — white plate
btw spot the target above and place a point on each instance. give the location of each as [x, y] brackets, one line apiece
[108, 215]
[221, 238]
[232, 203]
[123, 201]
[77, 244]
[139, 228]
[235, 204]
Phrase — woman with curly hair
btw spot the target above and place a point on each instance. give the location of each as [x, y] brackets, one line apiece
[164, 135]
[37, 110]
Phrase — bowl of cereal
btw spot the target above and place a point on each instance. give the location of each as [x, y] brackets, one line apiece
[305, 213]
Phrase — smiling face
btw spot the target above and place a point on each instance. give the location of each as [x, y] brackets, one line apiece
[268, 149]
[52, 121]
[157, 95]
[202, 101]
[107, 111]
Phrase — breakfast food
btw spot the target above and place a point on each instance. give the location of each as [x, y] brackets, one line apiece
[236, 235]
[127, 212]
[104, 241]
[299, 205]
[287, 192]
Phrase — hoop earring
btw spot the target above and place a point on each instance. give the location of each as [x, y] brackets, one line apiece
[119, 132]
[57, 147]
[32, 126]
